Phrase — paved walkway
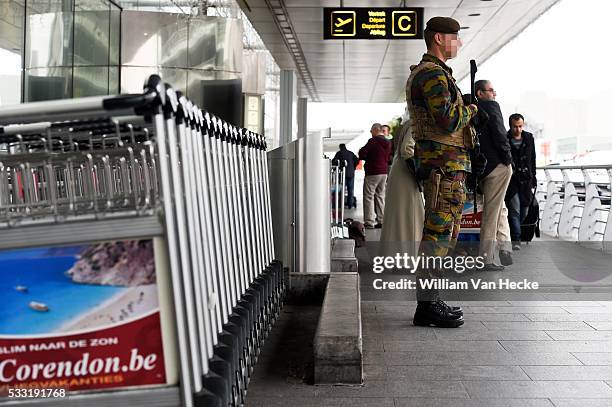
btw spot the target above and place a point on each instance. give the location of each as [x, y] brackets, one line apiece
[509, 353]
[555, 351]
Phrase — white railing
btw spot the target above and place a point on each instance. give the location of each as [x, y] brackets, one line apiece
[575, 203]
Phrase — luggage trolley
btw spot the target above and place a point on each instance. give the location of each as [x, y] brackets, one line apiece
[126, 197]
[337, 181]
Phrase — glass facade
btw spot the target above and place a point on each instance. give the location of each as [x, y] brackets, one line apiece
[270, 105]
[55, 49]
[71, 49]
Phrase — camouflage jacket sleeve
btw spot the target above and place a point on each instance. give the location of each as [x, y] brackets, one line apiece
[448, 115]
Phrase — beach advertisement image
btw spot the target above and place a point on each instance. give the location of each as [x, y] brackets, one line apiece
[80, 317]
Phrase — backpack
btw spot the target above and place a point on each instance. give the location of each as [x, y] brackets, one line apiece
[356, 231]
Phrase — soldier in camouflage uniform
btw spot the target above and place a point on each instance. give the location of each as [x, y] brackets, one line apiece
[443, 134]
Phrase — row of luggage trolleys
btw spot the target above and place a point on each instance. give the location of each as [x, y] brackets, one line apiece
[156, 154]
[338, 200]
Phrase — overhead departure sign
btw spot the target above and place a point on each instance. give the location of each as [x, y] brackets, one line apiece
[365, 23]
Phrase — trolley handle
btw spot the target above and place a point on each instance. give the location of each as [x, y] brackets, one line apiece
[71, 109]
[128, 101]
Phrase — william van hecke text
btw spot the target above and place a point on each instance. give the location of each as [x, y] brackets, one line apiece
[446, 284]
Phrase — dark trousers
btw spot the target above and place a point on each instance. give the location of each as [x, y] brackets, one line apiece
[517, 211]
[350, 186]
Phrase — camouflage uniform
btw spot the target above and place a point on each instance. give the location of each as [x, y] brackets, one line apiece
[443, 136]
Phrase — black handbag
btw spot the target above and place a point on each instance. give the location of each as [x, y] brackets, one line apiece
[531, 224]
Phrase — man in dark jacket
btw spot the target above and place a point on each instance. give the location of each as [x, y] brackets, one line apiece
[494, 229]
[520, 193]
[347, 159]
[376, 155]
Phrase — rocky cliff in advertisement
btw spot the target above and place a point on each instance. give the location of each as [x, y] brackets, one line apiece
[126, 264]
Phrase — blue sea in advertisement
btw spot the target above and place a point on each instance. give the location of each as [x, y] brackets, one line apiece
[42, 271]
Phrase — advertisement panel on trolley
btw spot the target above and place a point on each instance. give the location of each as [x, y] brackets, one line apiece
[80, 317]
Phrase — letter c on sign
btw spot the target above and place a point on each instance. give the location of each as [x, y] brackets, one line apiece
[402, 26]
[3, 378]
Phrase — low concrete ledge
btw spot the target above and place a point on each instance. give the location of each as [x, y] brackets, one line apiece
[306, 288]
[343, 256]
[338, 340]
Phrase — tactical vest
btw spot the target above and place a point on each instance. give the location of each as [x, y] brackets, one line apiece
[423, 125]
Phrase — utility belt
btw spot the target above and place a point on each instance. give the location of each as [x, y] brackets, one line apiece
[444, 191]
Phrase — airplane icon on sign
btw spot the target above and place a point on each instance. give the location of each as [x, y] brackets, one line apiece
[343, 23]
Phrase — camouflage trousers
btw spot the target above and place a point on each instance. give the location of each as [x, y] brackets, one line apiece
[443, 216]
[441, 227]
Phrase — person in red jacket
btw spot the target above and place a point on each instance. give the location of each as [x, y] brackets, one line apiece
[376, 156]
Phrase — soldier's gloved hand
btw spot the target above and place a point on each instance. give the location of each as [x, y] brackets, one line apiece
[479, 162]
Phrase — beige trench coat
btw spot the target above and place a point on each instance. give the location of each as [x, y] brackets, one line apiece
[404, 212]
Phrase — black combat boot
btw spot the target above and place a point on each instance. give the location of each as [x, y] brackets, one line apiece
[453, 310]
[437, 314]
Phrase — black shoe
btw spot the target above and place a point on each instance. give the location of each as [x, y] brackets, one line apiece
[453, 310]
[516, 246]
[433, 313]
[492, 267]
[505, 257]
[378, 226]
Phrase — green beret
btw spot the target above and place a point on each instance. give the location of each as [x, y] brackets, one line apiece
[444, 25]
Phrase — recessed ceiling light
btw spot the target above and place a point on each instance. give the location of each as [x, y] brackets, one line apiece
[474, 15]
